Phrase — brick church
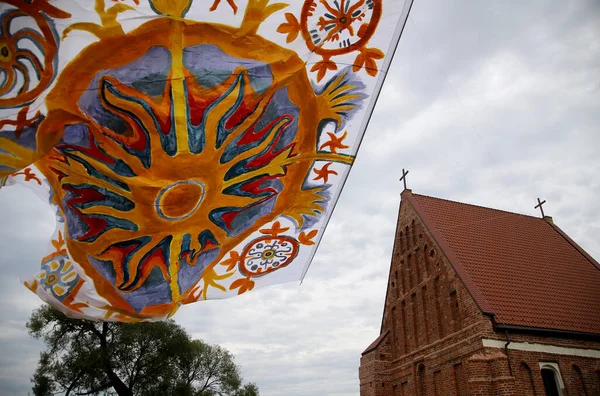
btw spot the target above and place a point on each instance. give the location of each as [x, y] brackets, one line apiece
[484, 302]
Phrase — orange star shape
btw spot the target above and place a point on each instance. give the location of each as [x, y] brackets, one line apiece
[58, 243]
[231, 262]
[335, 143]
[244, 284]
[275, 230]
[324, 172]
[28, 175]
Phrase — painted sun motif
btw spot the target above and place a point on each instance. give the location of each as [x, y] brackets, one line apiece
[185, 159]
[237, 124]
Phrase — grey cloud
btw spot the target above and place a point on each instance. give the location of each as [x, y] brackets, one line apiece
[491, 103]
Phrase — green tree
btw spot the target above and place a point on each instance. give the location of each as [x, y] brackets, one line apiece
[83, 357]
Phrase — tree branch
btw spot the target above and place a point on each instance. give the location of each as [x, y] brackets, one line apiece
[56, 341]
[94, 330]
[210, 375]
[77, 377]
[116, 382]
[98, 389]
[194, 373]
[136, 368]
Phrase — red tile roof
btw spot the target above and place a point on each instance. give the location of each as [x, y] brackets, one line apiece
[375, 343]
[523, 269]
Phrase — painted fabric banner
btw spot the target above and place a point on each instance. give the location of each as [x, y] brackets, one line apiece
[192, 149]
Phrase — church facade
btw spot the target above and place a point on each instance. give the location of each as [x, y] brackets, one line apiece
[484, 302]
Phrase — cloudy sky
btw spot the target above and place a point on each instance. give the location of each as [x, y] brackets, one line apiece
[492, 103]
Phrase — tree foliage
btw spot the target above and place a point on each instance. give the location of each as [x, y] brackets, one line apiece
[82, 357]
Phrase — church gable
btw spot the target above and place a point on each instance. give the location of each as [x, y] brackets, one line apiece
[426, 300]
[440, 332]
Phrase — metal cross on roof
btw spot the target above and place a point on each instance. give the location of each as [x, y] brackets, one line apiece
[403, 178]
[539, 205]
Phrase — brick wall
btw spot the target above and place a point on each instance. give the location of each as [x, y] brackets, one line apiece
[579, 374]
[435, 328]
[435, 325]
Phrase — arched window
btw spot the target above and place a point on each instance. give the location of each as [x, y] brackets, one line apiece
[427, 270]
[421, 380]
[401, 238]
[553, 383]
[402, 277]
[424, 300]
[438, 308]
[460, 382]
[455, 309]
[409, 271]
[404, 328]
[578, 375]
[415, 319]
[526, 379]
[394, 334]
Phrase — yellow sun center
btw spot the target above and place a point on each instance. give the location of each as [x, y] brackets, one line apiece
[180, 200]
